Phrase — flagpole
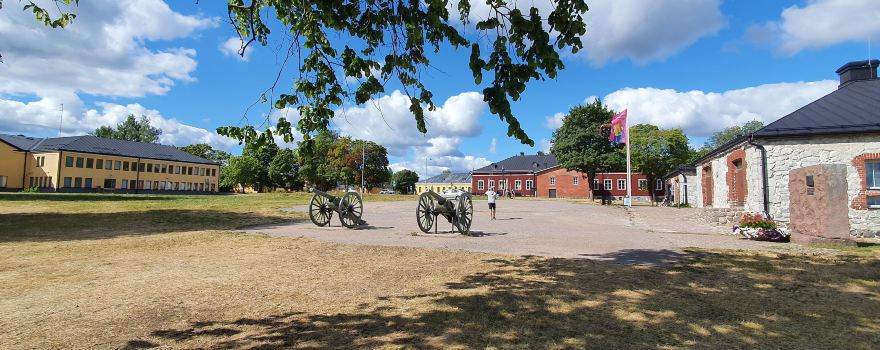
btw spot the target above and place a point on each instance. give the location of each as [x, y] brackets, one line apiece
[628, 163]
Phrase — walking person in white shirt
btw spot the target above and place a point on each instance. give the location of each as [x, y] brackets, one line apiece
[491, 197]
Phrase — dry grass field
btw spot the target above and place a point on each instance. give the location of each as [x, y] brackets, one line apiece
[96, 271]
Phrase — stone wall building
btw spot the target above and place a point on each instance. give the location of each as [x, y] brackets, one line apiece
[751, 173]
[681, 184]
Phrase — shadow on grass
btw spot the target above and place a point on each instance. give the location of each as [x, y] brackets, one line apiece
[48, 226]
[707, 301]
[72, 197]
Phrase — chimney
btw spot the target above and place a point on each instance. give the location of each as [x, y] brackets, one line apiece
[858, 70]
[522, 154]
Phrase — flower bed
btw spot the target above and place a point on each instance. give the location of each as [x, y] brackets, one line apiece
[756, 227]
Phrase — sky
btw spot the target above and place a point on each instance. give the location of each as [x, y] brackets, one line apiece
[698, 65]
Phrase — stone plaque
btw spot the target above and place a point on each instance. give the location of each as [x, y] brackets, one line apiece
[819, 204]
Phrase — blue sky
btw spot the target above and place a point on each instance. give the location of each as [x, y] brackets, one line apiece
[700, 65]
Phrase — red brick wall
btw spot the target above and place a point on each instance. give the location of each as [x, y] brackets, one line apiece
[565, 187]
[861, 200]
[511, 178]
[737, 185]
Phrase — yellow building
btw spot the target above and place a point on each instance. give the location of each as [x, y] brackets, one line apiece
[445, 181]
[89, 164]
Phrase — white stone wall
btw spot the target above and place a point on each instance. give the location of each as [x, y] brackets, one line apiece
[693, 187]
[783, 156]
[754, 195]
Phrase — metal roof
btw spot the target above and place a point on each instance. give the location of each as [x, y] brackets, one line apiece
[99, 145]
[521, 163]
[853, 108]
[448, 178]
[687, 169]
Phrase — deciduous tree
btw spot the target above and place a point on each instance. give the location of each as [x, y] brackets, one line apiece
[242, 171]
[282, 171]
[405, 180]
[131, 129]
[655, 152]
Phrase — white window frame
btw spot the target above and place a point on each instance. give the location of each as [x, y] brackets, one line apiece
[595, 184]
[481, 185]
[575, 180]
[552, 180]
[608, 186]
[643, 184]
[4, 181]
[621, 184]
[530, 184]
[659, 185]
[517, 184]
[491, 183]
[875, 174]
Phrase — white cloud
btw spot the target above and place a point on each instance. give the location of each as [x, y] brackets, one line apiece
[642, 31]
[553, 122]
[701, 113]
[231, 48]
[493, 146]
[546, 145]
[388, 121]
[102, 53]
[436, 165]
[818, 24]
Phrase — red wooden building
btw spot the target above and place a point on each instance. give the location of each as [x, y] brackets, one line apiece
[540, 176]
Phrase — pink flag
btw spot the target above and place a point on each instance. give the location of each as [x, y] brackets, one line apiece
[618, 128]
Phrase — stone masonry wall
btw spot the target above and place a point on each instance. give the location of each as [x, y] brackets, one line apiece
[783, 156]
[721, 196]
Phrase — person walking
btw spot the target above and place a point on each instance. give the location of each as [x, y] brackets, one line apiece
[491, 196]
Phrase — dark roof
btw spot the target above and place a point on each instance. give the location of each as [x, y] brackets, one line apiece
[853, 108]
[521, 163]
[687, 169]
[99, 145]
[447, 178]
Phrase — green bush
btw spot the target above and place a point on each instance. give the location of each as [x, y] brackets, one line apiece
[31, 190]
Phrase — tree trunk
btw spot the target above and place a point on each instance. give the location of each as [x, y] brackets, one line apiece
[590, 177]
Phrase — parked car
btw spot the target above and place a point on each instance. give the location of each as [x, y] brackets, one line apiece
[386, 191]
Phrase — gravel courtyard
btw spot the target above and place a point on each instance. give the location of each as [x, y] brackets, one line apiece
[641, 235]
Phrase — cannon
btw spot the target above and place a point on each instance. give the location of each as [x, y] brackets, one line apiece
[456, 206]
[350, 207]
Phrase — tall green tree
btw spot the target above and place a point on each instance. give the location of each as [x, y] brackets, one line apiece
[405, 180]
[655, 152]
[282, 171]
[350, 156]
[315, 168]
[724, 136]
[206, 151]
[131, 129]
[582, 144]
[243, 171]
[263, 154]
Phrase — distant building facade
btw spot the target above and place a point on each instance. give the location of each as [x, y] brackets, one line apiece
[89, 164]
[751, 172]
[681, 185]
[445, 181]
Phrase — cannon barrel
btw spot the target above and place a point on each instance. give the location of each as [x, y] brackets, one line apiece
[324, 194]
[440, 199]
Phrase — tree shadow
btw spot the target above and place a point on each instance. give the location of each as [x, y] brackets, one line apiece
[711, 300]
[650, 257]
[48, 226]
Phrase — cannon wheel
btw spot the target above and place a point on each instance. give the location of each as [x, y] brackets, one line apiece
[425, 212]
[351, 207]
[319, 210]
[464, 213]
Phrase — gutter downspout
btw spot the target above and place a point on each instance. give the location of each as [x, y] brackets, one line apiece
[24, 170]
[764, 186]
[58, 175]
[685, 188]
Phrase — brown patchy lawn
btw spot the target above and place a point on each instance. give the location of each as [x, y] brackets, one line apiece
[139, 276]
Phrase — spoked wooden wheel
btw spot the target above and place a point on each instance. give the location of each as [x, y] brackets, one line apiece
[425, 212]
[351, 207]
[464, 214]
[319, 210]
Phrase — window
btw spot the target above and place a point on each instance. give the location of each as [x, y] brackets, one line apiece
[873, 202]
[659, 185]
[68, 162]
[147, 185]
[132, 183]
[621, 184]
[30, 182]
[108, 164]
[502, 184]
[171, 169]
[177, 186]
[552, 180]
[3, 181]
[480, 185]
[99, 164]
[80, 162]
[124, 166]
[177, 170]
[575, 180]
[49, 183]
[37, 163]
[518, 184]
[530, 184]
[88, 182]
[90, 163]
[149, 167]
[67, 182]
[110, 183]
[872, 175]
[156, 168]
[164, 169]
[491, 184]
[595, 184]
[214, 172]
[201, 171]
[124, 183]
[643, 184]
[118, 165]
[77, 182]
[607, 184]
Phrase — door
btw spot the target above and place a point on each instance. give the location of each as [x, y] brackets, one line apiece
[551, 193]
